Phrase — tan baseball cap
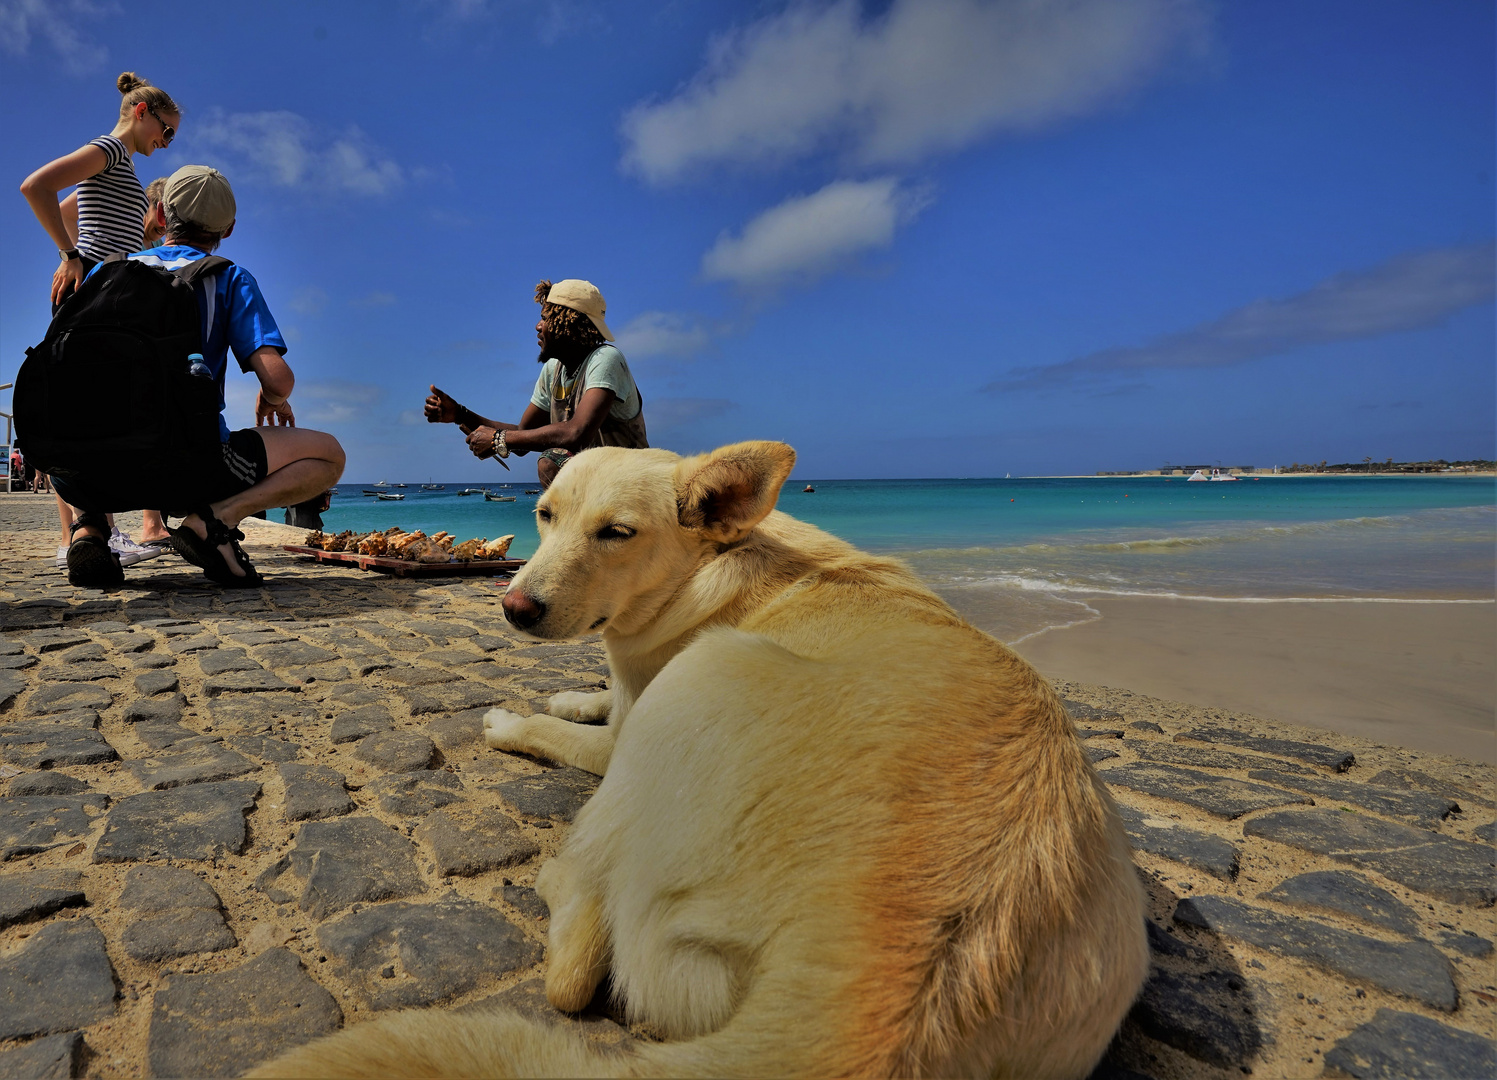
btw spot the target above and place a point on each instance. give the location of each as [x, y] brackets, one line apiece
[202, 196]
[582, 296]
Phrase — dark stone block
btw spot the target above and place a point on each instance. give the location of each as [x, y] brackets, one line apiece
[1092, 714]
[314, 792]
[1160, 836]
[1414, 780]
[258, 714]
[358, 723]
[67, 697]
[154, 889]
[223, 661]
[1429, 863]
[1397, 1045]
[452, 698]
[354, 694]
[161, 736]
[1413, 969]
[1095, 754]
[549, 683]
[453, 657]
[1419, 807]
[46, 783]
[16, 662]
[1207, 757]
[489, 642]
[78, 654]
[26, 897]
[82, 671]
[461, 729]
[44, 745]
[259, 637]
[1487, 832]
[246, 682]
[557, 793]
[182, 932]
[421, 676]
[1314, 753]
[1348, 894]
[56, 1057]
[45, 641]
[153, 661]
[1219, 795]
[156, 682]
[416, 793]
[198, 821]
[526, 901]
[11, 686]
[475, 842]
[438, 951]
[396, 751]
[338, 863]
[293, 653]
[198, 764]
[192, 643]
[1467, 944]
[264, 747]
[441, 631]
[1203, 1015]
[156, 710]
[222, 1024]
[59, 979]
[1099, 733]
[33, 823]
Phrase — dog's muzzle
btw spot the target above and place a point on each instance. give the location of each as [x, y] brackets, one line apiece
[522, 610]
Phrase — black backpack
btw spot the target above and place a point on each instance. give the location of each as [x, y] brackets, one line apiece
[106, 404]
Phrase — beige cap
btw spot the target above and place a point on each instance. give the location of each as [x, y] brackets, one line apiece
[581, 296]
[202, 196]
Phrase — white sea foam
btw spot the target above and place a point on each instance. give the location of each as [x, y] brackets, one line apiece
[1054, 588]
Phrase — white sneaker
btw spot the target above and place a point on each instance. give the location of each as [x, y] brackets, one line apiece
[128, 550]
[62, 555]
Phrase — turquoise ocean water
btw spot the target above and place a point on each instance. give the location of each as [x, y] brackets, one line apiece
[1044, 546]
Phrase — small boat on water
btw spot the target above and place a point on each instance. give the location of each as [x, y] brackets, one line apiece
[1216, 474]
[809, 488]
[489, 496]
[532, 491]
[400, 485]
[382, 483]
[391, 496]
[471, 491]
[368, 492]
[433, 487]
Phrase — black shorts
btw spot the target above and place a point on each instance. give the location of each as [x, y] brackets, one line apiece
[243, 466]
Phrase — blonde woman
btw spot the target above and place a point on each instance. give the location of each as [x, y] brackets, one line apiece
[111, 203]
[106, 215]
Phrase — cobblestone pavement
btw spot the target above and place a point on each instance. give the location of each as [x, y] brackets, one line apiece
[230, 822]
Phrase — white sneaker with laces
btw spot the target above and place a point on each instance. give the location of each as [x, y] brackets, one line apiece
[128, 550]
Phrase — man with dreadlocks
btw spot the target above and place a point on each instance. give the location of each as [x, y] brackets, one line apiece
[584, 397]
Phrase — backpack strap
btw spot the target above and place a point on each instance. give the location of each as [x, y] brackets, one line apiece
[207, 265]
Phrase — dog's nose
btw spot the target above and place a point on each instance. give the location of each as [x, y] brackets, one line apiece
[522, 610]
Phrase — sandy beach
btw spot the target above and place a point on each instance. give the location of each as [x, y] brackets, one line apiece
[1421, 676]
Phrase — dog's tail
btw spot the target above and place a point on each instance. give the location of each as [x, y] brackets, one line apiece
[433, 1043]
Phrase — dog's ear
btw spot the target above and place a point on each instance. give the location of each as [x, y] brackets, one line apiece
[726, 493]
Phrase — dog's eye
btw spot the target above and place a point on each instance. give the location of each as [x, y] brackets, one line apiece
[615, 532]
[542, 514]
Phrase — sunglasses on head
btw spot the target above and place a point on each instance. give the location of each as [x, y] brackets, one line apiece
[167, 131]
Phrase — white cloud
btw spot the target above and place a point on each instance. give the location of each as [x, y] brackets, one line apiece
[665, 333]
[807, 235]
[925, 76]
[1407, 292]
[309, 301]
[334, 402]
[283, 149]
[51, 21]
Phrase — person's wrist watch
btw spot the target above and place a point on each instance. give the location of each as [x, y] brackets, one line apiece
[500, 450]
[69, 253]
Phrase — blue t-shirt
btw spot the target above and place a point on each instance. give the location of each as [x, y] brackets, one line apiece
[234, 315]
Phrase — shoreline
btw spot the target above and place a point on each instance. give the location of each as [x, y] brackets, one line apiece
[1418, 675]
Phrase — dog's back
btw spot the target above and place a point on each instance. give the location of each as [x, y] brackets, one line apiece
[843, 833]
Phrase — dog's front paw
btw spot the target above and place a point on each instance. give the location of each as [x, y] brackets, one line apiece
[574, 705]
[504, 730]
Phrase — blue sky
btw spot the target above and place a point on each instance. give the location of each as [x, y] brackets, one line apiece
[934, 238]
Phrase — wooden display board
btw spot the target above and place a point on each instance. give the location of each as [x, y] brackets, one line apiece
[403, 568]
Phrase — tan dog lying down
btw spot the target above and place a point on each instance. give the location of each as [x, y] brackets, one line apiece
[841, 832]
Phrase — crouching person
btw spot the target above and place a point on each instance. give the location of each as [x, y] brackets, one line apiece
[216, 484]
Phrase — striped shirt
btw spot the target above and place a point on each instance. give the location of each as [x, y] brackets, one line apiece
[111, 205]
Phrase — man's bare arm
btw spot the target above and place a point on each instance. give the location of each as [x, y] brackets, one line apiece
[572, 435]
